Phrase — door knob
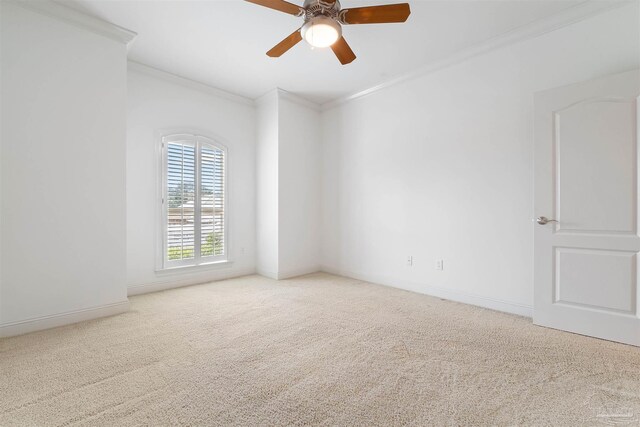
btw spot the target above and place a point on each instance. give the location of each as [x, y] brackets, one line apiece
[543, 220]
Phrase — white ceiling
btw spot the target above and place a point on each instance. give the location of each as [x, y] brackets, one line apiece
[222, 43]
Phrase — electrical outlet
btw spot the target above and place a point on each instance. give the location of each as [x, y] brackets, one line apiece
[409, 261]
[439, 264]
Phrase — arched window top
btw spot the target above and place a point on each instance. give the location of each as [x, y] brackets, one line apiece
[192, 139]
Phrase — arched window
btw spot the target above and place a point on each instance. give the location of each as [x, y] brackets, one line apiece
[193, 200]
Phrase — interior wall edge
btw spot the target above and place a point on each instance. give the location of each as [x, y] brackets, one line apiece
[62, 319]
[267, 181]
[436, 291]
[263, 99]
[296, 99]
[565, 18]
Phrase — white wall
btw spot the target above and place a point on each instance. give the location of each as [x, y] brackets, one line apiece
[299, 190]
[438, 167]
[156, 102]
[441, 166]
[63, 170]
[288, 172]
[267, 184]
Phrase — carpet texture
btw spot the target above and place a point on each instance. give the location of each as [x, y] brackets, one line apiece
[320, 350]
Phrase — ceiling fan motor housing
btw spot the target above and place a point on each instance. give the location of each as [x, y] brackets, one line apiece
[313, 8]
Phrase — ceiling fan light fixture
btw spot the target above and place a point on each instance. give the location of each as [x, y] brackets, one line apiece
[323, 20]
[321, 31]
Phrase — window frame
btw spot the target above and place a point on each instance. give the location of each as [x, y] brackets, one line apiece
[196, 140]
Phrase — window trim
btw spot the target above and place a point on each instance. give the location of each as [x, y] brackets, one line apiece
[163, 264]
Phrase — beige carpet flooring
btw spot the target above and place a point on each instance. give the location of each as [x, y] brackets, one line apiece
[317, 350]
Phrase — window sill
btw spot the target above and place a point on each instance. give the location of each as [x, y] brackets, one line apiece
[187, 268]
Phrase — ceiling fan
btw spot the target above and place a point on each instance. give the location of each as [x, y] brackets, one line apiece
[323, 20]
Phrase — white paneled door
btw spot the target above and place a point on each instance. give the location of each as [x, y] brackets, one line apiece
[586, 208]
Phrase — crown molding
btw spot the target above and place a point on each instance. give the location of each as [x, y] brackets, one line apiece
[71, 16]
[572, 15]
[191, 84]
[202, 87]
[575, 14]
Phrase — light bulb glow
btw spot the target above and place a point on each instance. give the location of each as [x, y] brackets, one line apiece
[321, 31]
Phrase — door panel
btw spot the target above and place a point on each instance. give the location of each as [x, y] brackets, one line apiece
[595, 169]
[580, 274]
[586, 158]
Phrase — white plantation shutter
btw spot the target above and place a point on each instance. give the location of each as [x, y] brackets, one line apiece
[194, 228]
[212, 196]
[180, 198]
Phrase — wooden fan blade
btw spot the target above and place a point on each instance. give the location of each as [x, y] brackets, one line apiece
[376, 14]
[280, 5]
[286, 44]
[343, 51]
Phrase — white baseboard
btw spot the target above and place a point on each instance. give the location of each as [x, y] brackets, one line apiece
[439, 292]
[179, 282]
[61, 319]
[267, 274]
[289, 274]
